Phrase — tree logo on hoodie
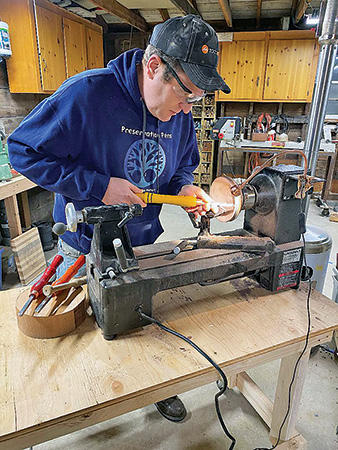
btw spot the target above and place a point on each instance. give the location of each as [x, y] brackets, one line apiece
[143, 167]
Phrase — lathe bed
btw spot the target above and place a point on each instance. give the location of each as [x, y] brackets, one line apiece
[115, 302]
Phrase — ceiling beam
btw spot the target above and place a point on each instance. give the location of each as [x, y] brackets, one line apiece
[258, 13]
[185, 7]
[126, 15]
[164, 14]
[224, 4]
[301, 8]
[194, 4]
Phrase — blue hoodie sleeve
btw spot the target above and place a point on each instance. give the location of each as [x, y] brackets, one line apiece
[188, 163]
[46, 148]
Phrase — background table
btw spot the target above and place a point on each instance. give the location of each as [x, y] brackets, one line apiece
[329, 171]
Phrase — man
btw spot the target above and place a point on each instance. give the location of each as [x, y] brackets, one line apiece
[108, 134]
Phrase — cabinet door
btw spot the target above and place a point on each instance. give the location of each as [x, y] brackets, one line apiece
[52, 55]
[75, 46]
[94, 49]
[289, 69]
[242, 67]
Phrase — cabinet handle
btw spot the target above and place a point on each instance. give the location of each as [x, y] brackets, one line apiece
[44, 61]
[268, 81]
[257, 82]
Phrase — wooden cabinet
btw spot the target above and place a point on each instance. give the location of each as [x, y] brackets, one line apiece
[52, 53]
[242, 66]
[288, 69]
[269, 66]
[49, 44]
[75, 46]
[94, 49]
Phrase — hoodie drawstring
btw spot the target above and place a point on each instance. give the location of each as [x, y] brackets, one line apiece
[143, 163]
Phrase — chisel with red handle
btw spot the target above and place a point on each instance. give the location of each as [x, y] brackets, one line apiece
[68, 275]
[37, 287]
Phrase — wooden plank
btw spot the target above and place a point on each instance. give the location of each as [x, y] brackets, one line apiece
[258, 400]
[280, 409]
[69, 15]
[296, 443]
[226, 10]
[258, 13]
[123, 13]
[24, 209]
[331, 163]
[164, 14]
[28, 255]
[301, 8]
[13, 216]
[15, 186]
[334, 216]
[185, 7]
[291, 34]
[278, 353]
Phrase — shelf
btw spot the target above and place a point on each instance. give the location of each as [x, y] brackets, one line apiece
[204, 114]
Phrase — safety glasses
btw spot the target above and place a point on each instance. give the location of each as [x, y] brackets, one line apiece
[182, 91]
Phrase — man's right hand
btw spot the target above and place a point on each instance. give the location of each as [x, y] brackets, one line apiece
[122, 191]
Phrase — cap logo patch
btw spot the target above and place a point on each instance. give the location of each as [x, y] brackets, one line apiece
[205, 49]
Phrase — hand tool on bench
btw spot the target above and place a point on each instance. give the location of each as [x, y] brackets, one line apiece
[253, 244]
[37, 287]
[50, 289]
[67, 276]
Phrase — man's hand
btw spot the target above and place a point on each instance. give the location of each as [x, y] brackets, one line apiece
[121, 191]
[206, 201]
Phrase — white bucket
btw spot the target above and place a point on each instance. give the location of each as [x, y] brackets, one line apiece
[318, 245]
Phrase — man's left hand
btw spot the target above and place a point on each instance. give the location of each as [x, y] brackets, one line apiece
[206, 200]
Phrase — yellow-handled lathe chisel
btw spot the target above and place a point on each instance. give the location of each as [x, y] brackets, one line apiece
[187, 201]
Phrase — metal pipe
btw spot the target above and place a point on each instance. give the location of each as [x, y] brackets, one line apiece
[328, 41]
[318, 107]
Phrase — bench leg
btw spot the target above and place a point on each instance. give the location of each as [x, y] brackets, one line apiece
[282, 394]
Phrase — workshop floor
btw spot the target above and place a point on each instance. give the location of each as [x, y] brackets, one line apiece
[146, 429]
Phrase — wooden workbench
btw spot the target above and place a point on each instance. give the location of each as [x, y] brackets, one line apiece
[49, 388]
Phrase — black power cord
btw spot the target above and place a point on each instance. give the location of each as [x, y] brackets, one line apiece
[207, 357]
[301, 219]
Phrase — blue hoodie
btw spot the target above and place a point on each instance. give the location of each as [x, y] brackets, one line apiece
[96, 126]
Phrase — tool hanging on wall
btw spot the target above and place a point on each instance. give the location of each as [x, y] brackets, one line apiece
[263, 123]
[37, 287]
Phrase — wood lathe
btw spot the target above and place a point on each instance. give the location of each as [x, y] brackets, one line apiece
[122, 280]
